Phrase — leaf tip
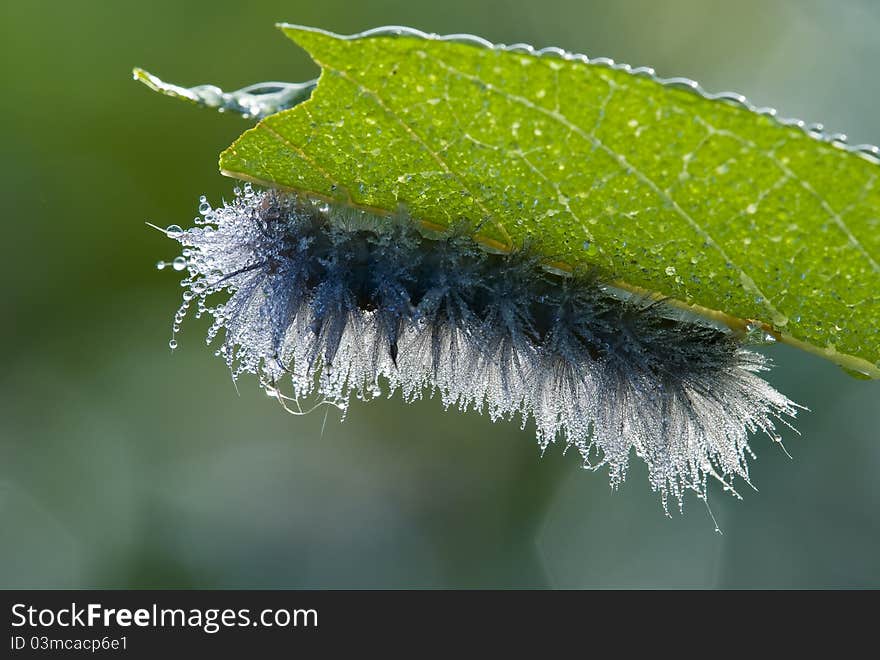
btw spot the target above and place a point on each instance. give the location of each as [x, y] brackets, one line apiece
[156, 84]
[147, 78]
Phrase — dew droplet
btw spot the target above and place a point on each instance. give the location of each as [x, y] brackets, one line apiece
[172, 344]
[179, 263]
[173, 231]
[160, 265]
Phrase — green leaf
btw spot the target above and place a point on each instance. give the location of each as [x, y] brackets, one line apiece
[709, 202]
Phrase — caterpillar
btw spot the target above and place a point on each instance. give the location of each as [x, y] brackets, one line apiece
[331, 302]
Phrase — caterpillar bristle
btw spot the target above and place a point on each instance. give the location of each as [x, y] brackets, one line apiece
[339, 303]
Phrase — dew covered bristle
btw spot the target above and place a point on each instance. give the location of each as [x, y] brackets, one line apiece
[330, 302]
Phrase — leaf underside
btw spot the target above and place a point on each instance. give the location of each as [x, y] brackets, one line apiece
[664, 190]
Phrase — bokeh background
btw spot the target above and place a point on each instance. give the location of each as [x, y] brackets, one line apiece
[123, 465]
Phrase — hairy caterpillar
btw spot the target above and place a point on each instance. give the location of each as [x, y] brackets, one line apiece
[336, 302]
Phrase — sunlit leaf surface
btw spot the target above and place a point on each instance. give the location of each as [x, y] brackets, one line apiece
[702, 200]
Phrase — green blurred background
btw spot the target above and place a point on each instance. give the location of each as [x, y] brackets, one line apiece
[122, 465]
